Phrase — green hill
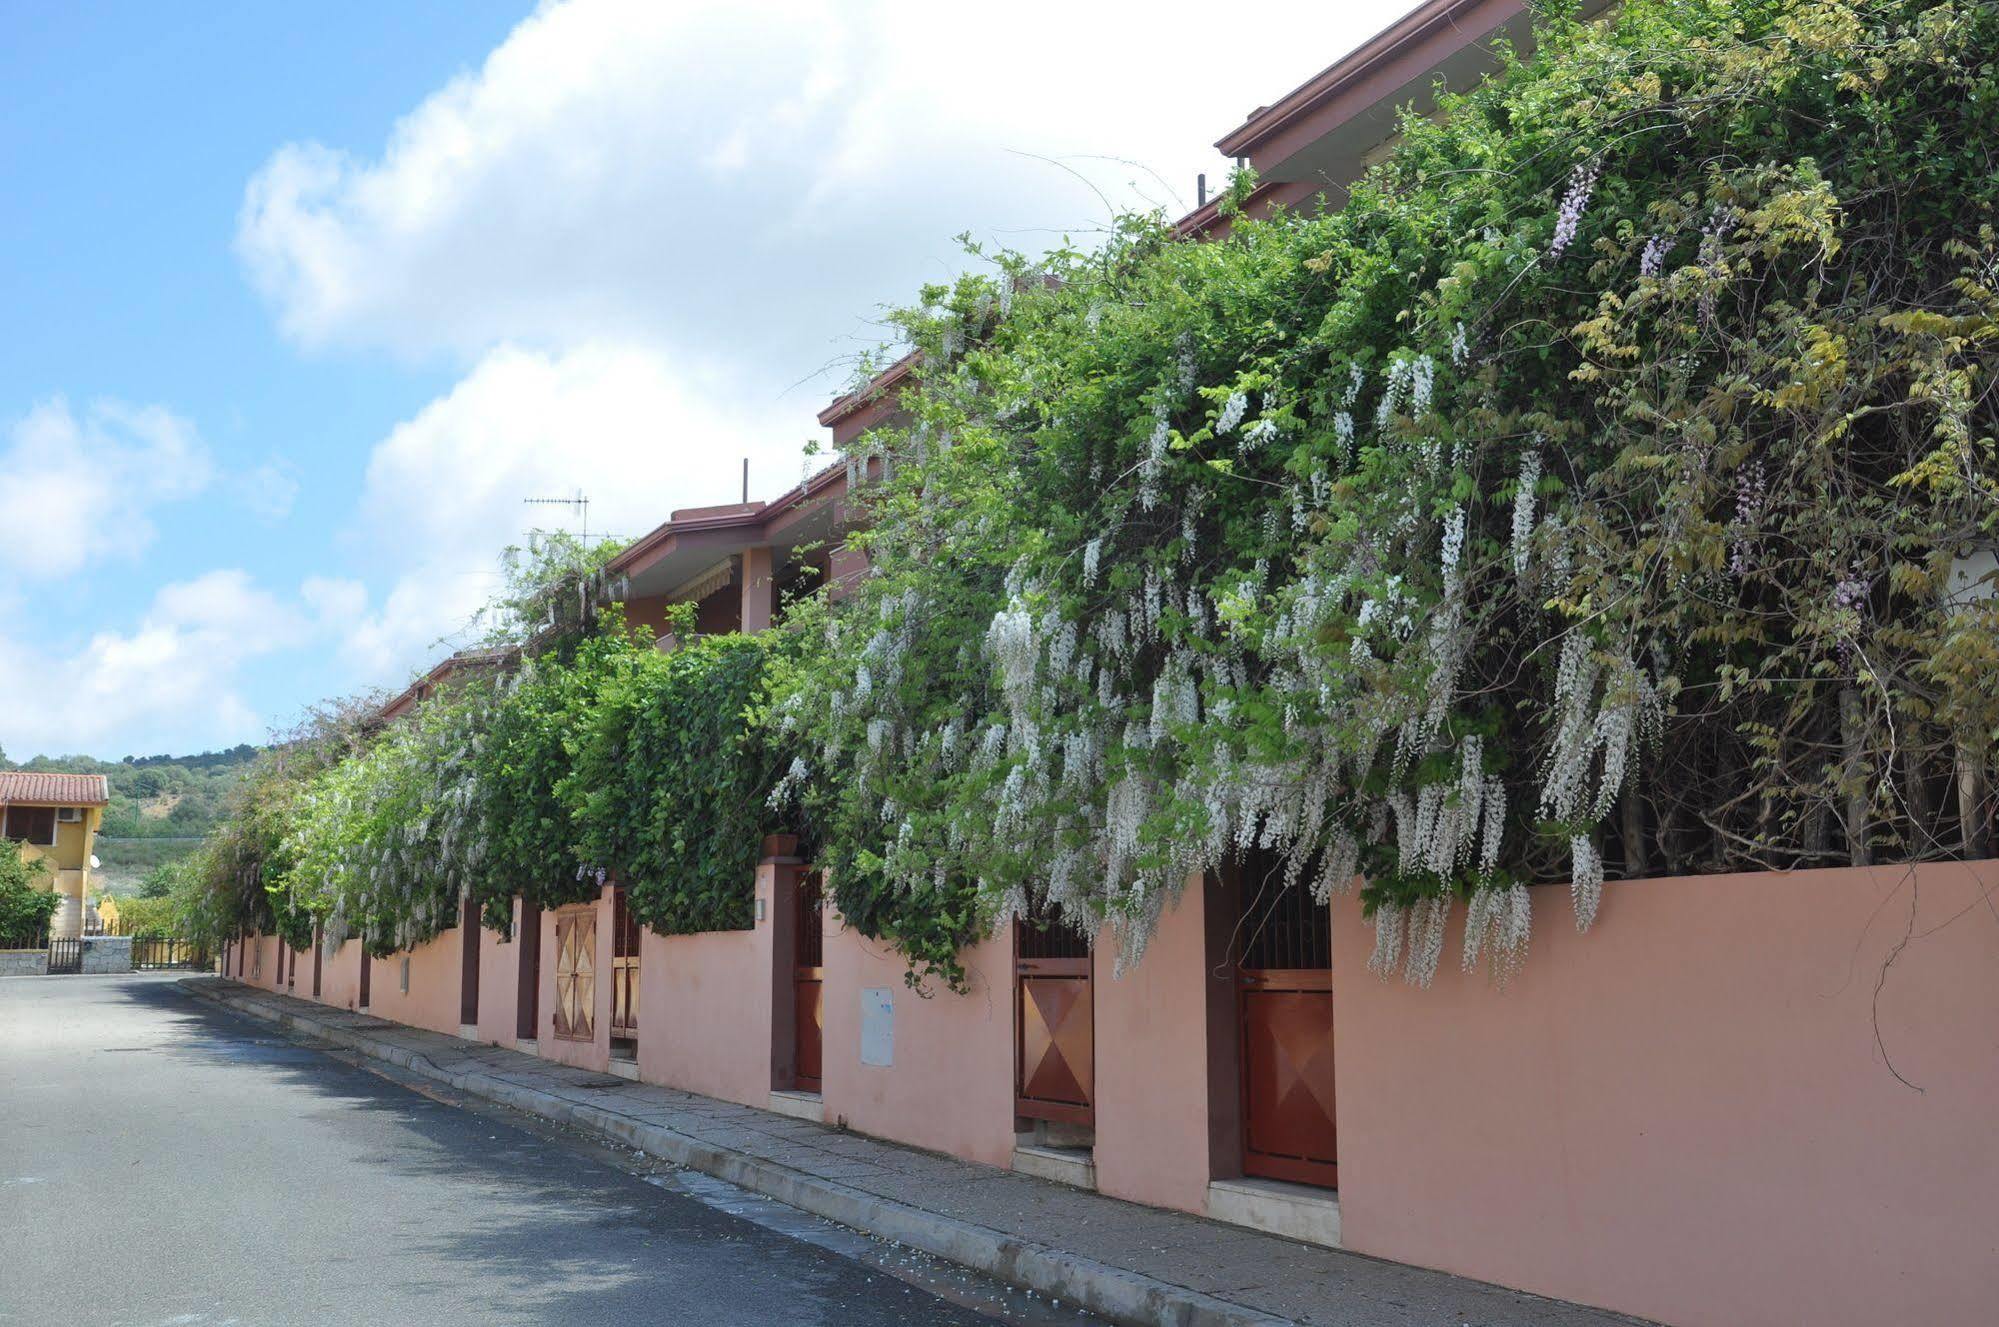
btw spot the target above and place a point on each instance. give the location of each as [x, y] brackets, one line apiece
[161, 806]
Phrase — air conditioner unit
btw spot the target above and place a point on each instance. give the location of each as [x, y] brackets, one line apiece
[69, 815]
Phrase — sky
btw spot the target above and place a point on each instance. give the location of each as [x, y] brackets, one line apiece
[300, 302]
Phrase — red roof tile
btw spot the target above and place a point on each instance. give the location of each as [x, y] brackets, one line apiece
[21, 787]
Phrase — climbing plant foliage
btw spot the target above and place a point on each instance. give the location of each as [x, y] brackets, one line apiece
[576, 756]
[1601, 490]
[1583, 497]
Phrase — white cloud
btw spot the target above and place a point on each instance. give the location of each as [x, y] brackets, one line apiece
[172, 682]
[638, 226]
[444, 491]
[752, 178]
[80, 489]
[268, 490]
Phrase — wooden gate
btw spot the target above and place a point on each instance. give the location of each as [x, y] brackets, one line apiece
[576, 973]
[1286, 993]
[624, 973]
[808, 983]
[367, 974]
[318, 946]
[527, 1007]
[1054, 1024]
[469, 926]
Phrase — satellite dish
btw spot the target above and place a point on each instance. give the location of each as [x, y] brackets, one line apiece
[94, 863]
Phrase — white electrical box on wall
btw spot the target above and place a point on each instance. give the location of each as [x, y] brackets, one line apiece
[878, 1026]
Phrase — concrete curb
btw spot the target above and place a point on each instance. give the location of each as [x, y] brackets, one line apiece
[1112, 1292]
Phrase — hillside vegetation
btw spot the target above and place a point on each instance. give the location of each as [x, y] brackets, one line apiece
[161, 806]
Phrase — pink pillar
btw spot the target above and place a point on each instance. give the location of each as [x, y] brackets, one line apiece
[759, 589]
[845, 567]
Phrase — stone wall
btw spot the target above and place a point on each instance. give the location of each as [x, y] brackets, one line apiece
[23, 962]
[107, 953]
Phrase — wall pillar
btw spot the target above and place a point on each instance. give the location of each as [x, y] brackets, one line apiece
[759, 588]
[777, 894]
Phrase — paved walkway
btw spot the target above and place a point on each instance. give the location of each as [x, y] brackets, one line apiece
[1127, 1262]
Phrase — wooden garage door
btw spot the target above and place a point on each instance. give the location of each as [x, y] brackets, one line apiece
[576, 973]
[1286, 994]
[1054, 1024]
[808, 983]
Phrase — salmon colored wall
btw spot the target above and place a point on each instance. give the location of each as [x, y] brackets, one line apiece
[264, 949]
[339, 976]
[1151, 1064]
[704, 1008]
[1685, 1114]
[432, 1001]
[500, 983]
[582, 1054]
[951, 1086]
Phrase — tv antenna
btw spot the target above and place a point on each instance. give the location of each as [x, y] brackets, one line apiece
[580, 504]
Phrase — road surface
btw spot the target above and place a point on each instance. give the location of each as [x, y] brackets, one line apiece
[164, 1162]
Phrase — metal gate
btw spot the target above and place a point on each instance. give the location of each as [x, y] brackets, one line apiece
[624, 970]
[1286, 995]
[808, 983]
[65, 956]
[1054, 1024]
[160, 953]
[576, 973]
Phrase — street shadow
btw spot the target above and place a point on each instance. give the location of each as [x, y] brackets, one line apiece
[562, 1235]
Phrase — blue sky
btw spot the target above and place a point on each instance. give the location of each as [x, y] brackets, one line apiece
[301, 300]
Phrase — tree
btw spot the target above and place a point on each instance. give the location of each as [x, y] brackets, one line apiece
[24, 908]
[159, 882]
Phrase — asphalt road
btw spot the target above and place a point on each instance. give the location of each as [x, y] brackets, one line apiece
[162, 1162]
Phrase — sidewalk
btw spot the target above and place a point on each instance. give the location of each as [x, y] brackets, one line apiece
[1128, 1263]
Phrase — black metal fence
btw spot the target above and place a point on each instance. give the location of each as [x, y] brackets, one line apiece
[161, 953]
[65, 956]
[38, 939]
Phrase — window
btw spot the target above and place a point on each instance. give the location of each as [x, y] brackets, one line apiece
[32, 824]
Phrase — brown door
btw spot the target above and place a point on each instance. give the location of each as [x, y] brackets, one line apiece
[1285, 982]
[468, 962]
[808, 982]
[624, 970]
[367, 971]
[527, 1008]
[1054, 1024]
[318, 943]
[576, 973]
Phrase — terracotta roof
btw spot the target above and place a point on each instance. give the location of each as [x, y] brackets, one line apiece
[22, 788]
[462, 661]
[870, 391]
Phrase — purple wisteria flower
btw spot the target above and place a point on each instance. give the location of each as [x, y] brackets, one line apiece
[1848, 596]
[1653, 260]
[1751, 491]
[1582, 183]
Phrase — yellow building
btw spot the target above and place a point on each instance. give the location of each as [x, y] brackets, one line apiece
[53, 818]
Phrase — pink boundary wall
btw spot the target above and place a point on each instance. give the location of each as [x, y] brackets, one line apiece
[432, 1001]
[339, 977]
[705, 1007]
[1684, 1114]
[951, 1085]
[1152, 1063]
[500, 983]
